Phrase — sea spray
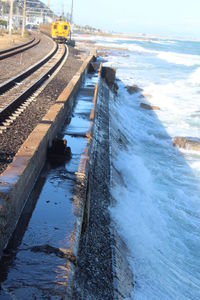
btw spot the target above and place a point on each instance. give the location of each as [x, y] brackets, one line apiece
[157, 200]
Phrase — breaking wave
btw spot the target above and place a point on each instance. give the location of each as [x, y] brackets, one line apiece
[168, 56]
[180, 59]
[157, 200]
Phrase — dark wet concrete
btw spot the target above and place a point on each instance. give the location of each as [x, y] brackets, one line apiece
[36, 263]
[94, 272]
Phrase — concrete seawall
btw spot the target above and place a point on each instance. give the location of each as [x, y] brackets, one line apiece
[102, 268]
[17, 181]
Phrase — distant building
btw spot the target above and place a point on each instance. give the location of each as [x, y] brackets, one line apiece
[36, 12]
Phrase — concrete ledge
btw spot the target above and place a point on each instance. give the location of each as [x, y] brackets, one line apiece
[17, 181]
[80, 198]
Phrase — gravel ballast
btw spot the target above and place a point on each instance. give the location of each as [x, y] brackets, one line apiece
[20, 62]
[16, 134]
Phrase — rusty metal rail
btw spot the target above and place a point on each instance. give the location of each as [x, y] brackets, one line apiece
[19, 49]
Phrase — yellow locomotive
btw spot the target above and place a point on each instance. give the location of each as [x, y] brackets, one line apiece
[60, 31]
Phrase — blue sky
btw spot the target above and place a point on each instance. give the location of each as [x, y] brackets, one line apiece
[166, 17]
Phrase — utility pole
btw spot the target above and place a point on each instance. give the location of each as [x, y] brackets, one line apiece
[41, 16]
[18, 17]
[63, 12]
[24, 18]
[2, 12]
[71, 18]
[72, 7]
[48, 3]
[10, 17]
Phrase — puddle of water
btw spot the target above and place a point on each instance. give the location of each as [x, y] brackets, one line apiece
[29, 274]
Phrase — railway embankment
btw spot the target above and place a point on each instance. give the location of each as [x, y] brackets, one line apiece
[20, 129]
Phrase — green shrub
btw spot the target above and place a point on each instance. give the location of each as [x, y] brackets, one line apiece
[3, 23]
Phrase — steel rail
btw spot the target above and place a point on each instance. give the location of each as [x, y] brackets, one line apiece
[17, 47]
[5, 86]
[21, 49]
[15, 104]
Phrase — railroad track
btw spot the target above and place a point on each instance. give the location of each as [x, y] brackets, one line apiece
[19, 49]
[17, 93]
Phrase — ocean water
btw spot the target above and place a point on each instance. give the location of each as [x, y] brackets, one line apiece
[157, 199]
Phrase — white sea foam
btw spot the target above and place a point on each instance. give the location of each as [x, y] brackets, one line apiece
[111, 45]
[169, 56]
[180, 59]
[158, 200]
[163, 42]
[140, 49]
[130, 47]
[195, 78]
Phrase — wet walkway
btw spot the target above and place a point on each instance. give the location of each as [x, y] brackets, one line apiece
[42, 252]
